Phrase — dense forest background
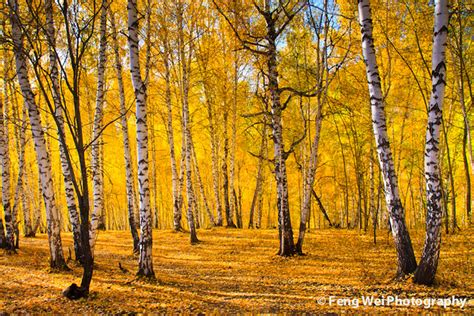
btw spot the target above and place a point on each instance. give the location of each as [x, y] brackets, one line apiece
[193, 138]
[343, 181]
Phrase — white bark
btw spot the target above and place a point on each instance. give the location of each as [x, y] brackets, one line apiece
[185, 62]
[406, 257]
[19, 132]
[68, 185]
[201, 186]
[42, 155]
[145, 263]
[170, 133]
[97, 163]
[426, 272]
[131, 203]
[5, 162]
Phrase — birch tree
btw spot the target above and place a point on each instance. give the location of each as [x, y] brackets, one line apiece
[276, 17]
[185, 65]
[58, 108]
[9, 241]
[403, 245]
[126, 139]
[259, 179]
[42, 155]
[145, 263]
[169, 127]
[426, 271]
[97, 163]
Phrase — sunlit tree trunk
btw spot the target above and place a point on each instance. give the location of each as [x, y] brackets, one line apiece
[225, 172]
[131, 203]
[170, 133]
[201, 186]
[7, 240]
[215, 160]
[233, 141]
[19, 132]
[405, 254]
[54, 73]
[426, 271]
[145, 263]
[287, 247]
[185, 63]
[467, 146]
[97, 163]
[42, 155]
[20, 196]
[259, 179]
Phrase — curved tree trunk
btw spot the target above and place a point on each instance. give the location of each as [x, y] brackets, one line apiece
[405, 254]
[145, 263]
[42, 155]
[97, 163]
[426, 271]
[131, 203]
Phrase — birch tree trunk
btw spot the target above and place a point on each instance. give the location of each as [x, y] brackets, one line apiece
[310, 176]
[97, 163]
[287, 247]
[259, 180]
[405, 254]
[19, 132]
[214, 158]
[145, 263]
[170, 134]
[42, 155]
[225, 173]
[201, 186]
[426, 271]
[20, 195]
[54, 74]
[233, 141]
[9, 242]
[131, 203]
[185, 62]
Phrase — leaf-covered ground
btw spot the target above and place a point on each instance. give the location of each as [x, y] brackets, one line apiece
[234, 271]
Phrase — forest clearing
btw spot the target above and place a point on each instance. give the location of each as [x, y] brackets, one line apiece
[236, 155]
[234, 271]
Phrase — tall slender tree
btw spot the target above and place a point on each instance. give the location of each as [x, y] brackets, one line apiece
[58, 108]
[42, 155]
[145, 263]
[426, 271]
[131, 201]
[97, 163]
[403, 245]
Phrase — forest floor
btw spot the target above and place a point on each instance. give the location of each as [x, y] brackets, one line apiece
[235, 271]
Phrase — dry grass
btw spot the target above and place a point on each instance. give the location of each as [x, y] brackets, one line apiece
[232, 271]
